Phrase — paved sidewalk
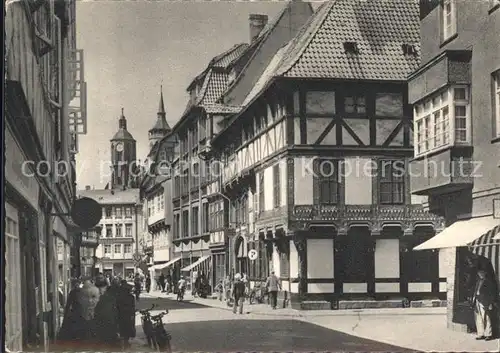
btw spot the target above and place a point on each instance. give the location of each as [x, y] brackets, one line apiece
[422, 329]
[419, 332]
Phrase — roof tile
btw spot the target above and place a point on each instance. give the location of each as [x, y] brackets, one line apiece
[379, 27]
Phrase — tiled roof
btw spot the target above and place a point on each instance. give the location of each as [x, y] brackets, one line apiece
[379, 27]
[258, 42]
[123, 134]
[106, 197]
[216, 83]
[266, 76]
[226, 59]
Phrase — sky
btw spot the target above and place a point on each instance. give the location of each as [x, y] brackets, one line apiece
[131, 48]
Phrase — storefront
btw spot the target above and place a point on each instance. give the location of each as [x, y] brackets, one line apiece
[469, 245]
[26, 297]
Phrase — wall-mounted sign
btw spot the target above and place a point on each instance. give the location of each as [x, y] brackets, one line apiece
[496, 208]
[86, 213]
[252, 254]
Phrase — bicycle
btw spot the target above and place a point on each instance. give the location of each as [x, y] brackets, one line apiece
[259, 294]
[156, 335]
[162, 337]
[180, 294]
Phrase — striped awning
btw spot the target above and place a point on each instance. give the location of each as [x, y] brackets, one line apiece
[488, 246]
[197, 263]
[461, 233]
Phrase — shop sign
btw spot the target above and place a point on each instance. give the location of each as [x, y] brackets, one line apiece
[27, 186]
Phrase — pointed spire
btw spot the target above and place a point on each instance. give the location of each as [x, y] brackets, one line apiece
[122, 124]
[161, 107]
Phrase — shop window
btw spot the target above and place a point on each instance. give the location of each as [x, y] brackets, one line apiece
[13, 308]
[423, 265]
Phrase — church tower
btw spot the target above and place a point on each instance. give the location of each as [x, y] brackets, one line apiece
[161, 127]
[123, 157]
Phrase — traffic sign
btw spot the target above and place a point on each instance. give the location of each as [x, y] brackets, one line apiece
[252, 254]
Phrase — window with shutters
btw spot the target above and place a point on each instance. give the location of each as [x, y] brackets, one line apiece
[326, 180]
[13, 280]
[261, 192]
[276, 186]
[392, 182]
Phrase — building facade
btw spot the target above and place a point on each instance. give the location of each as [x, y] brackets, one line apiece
[315, 163]
[44, 90]
[203, 233]
[456, 100]
[156, 192]
[120, 250]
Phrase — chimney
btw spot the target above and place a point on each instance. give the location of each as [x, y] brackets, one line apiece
[87, 187]
[257, 24]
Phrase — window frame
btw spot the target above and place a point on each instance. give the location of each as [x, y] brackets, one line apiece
[262, 204]
[427, 109]
[276, 186]
[331, 180]
[117, 246]
[496, 103]
[129, 226]
[448, 31]
[392, 181]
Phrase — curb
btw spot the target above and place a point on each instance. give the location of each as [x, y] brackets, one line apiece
[324, 313]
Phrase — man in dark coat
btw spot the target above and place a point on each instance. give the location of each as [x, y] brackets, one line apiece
[484, 297]
[126, 313]
[106, 317]
[238, 294]
[162, 282]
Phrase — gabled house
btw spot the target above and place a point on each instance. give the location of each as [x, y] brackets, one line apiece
[323, 141]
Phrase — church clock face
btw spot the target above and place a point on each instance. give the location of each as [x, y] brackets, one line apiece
[119, 147]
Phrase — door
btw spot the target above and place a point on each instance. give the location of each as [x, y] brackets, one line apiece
[13, 313]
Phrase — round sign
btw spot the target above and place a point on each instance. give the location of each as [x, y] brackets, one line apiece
[86, 213]
[252, 254]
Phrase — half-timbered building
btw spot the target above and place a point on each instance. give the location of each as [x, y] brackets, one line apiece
[190, 196]
[156, 193]
[322, 143]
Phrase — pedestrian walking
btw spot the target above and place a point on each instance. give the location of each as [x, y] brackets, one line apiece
[219, 288]
[106, 319]
[148, 283]
[484, 298]
[162, 282]
[126, 314]
[273, 286]
[137, 286]
[227, 289]
[238, 294]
